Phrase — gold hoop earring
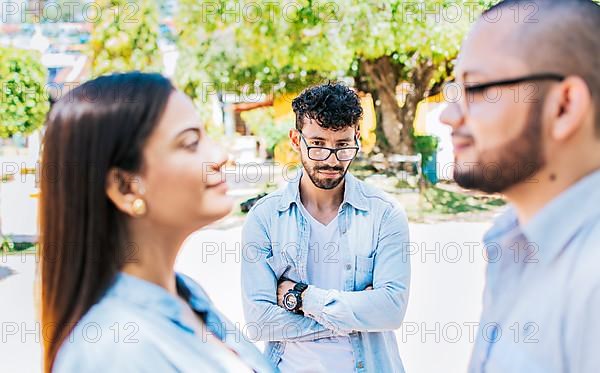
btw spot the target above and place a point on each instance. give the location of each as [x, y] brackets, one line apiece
[138, 207]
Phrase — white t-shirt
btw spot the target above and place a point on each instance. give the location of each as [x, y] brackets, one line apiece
[325, 271]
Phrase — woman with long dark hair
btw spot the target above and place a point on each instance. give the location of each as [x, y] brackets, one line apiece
[128, 173]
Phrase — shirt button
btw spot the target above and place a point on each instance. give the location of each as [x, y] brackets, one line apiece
[348, 267]
[360, 365]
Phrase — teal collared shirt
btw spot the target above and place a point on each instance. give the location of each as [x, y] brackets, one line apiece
[541, 305]
[140, 327]
[374, 249]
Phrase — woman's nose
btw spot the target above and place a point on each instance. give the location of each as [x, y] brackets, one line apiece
[219, 156]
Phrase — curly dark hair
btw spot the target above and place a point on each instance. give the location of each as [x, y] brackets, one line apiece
[333, 106]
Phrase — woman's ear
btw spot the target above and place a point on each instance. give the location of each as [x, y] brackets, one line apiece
[122, 188]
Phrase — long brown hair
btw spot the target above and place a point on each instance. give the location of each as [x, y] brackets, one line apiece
[101, 124]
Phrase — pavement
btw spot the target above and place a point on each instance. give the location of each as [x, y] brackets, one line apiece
[18, 208]
[445, 298]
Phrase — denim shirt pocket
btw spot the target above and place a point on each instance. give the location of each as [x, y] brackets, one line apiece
[363, 275]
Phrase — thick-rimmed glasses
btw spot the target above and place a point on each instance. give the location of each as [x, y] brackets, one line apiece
[466, 93]
[321, 153]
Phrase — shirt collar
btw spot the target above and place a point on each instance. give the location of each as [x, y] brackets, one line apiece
[352, 193]
[505, 225]
[555, 225]
[156, 299]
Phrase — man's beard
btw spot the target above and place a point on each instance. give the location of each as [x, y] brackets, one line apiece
[498, 169]
[322, 182]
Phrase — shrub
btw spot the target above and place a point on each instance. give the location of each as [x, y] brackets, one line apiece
[23, 99]
[125, 38]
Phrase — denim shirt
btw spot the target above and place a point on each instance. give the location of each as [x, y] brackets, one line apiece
[139, 327]
[374, 247]
[541, 304]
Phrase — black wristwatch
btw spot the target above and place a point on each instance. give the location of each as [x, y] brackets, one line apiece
[292, 300]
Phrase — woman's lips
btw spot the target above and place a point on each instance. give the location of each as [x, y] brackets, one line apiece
[220, 185]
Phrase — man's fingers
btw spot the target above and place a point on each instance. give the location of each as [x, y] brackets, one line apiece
[369, 287]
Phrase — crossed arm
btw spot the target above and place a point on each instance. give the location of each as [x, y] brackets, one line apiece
[259, 294]
[327, 312]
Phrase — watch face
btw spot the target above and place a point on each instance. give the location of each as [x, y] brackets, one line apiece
[290, 302]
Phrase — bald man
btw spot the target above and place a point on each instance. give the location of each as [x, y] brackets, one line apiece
[526, 123]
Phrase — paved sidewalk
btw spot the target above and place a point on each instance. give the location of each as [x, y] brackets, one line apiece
[447, 283]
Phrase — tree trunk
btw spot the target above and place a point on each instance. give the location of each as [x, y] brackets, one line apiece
[383, 76]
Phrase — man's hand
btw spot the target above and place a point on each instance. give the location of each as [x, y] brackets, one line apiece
[282, 289]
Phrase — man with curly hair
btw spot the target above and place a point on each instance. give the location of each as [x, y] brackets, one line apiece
[325, 271]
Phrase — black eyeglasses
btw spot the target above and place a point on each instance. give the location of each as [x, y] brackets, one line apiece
[464, 94]
[321, 153]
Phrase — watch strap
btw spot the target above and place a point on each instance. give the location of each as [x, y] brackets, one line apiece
[300, 287]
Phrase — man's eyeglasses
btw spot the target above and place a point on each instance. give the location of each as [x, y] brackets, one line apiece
[321, 153]
[465, 94]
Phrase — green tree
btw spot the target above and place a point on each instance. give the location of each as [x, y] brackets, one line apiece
[23, 99]
[125, 37]
[407, 52]
[278, 46]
